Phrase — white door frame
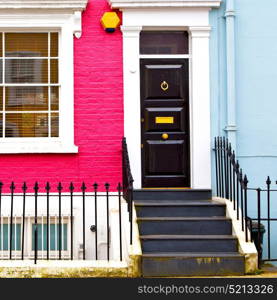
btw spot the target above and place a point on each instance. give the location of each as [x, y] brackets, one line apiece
[196, 22]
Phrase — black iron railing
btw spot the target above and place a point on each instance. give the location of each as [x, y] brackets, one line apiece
[128, 180]
[55, 222]
[264, 220]
[232, 184]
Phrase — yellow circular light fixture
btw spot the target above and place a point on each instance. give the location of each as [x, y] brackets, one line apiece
[110, 21]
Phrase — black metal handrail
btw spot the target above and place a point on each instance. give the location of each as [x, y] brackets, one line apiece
[230, 181]
[127, 180]
[232, 184]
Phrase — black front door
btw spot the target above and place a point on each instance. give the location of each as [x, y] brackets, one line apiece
[165, 123]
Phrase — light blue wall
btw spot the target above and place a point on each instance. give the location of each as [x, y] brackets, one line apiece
[256, 89]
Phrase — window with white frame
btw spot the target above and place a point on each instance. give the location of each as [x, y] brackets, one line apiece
[29, 85]
[5, 234]
[11, 237]
[37, 75]
[54, 231]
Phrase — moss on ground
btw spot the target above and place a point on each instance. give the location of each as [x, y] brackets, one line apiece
[62, 272]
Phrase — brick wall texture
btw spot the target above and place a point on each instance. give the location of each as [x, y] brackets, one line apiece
[98, 107]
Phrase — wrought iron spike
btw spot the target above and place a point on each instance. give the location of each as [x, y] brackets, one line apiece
[226, 143]
[24, 187]
[83, 187]
[71, 187]
[36, 187]
[233, 158]
[12, 187]
[95, 186]
[47, 187]
[59, 188]
[268, 181]
[245, 181]
[240, 175]
[107, 186]
[237, 166]
[119, 188]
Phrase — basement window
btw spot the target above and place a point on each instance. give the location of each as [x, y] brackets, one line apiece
[54, 237]
[5, 242]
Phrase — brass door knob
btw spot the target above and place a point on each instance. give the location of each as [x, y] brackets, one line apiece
[165, 136]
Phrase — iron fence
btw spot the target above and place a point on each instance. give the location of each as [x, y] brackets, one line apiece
[55, 222]
[264, 219]
[232, 184]
[127, 184]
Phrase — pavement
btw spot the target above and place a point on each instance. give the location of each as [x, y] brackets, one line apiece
[267, 271]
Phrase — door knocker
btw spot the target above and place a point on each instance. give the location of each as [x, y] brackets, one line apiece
[164, 86]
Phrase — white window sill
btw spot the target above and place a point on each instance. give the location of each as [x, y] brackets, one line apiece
[39, 147]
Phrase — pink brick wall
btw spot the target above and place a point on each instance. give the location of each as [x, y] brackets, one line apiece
[98, 115]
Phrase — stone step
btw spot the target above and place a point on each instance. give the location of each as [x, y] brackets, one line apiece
[203, 208]
[172, 194]
[185, 233]
[185, 225]
[192, 264]
[188, 243]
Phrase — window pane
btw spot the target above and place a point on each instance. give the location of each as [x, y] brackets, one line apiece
[54, 71]
[5, 237]
[54, 237]
[26, 125]
[55, 125]
[26, 71]
[1, 70]
[54, 98]
[1, 98]
[54, 44]
[1, 125]
[26, 98]
[27, 61]
[170, 42]
[1, 44]
[26, 44]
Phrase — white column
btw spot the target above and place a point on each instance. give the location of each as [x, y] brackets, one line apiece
[200, 109]
[131, 75]
[67, 86]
